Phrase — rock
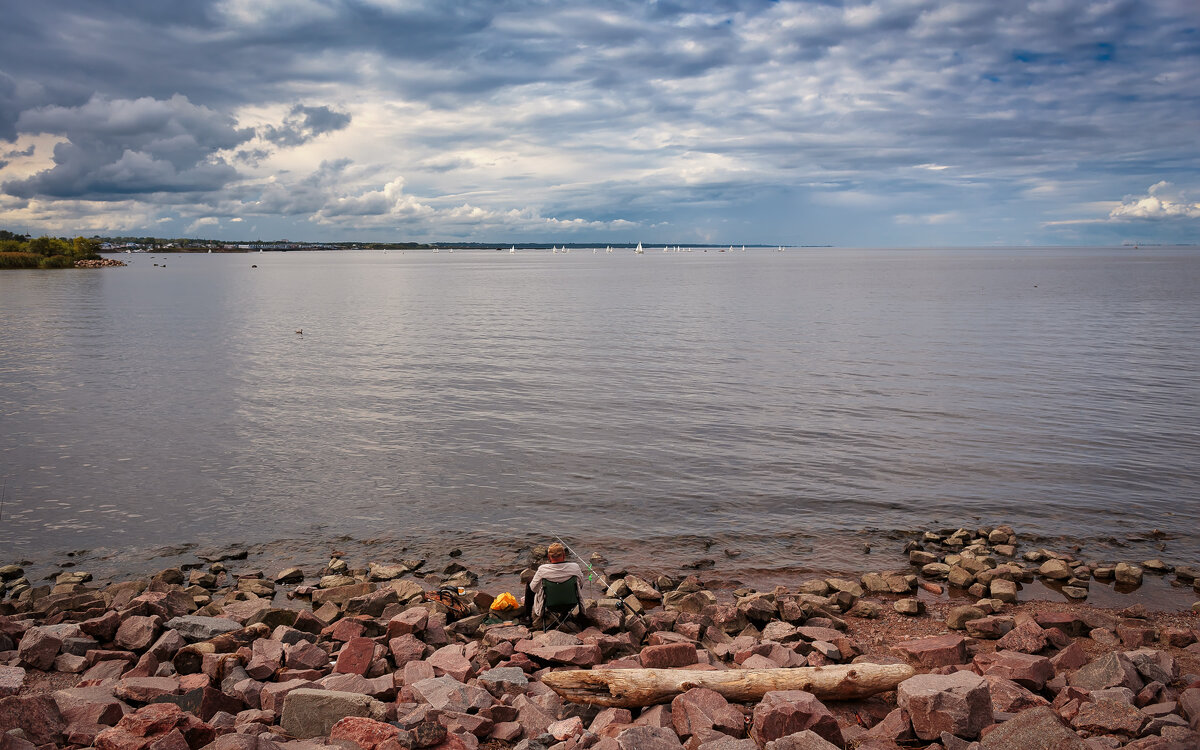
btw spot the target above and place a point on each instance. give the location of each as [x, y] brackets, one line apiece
[701, 708]
[958, 703]
[273, 694]
[1005, 591]
[1038, 728]
[1055, 570]
[1111, 670]
[1009, 697]
[447, 693]
[356, 656]
[38, 648]
[141, 729]
[196, 628]
[136, 633]
[1189, 706]
[145, 689]
[1027, 670]
[936, 651]
[990, 627]
[921, 557]
[909, 606]
[784, 712]
[362, 731]
[11, 680]
[648, 738]
[806, 740]
[1028, 638]
[1110, 717]
[504, 680]
[37, 715]
[668, 655]
[958, 617]
[204, 701]
[1130, 575]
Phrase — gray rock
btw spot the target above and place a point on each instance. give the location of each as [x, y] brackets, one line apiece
[312, 713]
[195, 628]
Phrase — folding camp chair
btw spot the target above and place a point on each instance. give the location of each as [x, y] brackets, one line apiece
[561, 604]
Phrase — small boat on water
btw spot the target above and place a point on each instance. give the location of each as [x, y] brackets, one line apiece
[512, 250]
[638, 250]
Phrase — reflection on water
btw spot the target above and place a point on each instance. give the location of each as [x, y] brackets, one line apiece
[776, 403]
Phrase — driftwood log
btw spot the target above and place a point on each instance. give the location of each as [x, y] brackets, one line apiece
[630, 688]
[189, 659]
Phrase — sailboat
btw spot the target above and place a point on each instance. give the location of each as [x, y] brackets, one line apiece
[608, 249]
[638, 250]
[512, 250]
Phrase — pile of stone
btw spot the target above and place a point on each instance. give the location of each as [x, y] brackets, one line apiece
[98, 263]
[360, 659]
[983, 562]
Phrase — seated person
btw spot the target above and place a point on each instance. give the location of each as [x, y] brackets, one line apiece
[557, 570]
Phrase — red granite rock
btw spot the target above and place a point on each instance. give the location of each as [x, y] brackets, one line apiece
[38, 648]
[957, 703]
[406, 648]
[936, 651]
[145, 689]
[1038, 728]
[356, 656]
[11, 680]
[1027, 638]
[37, 715]
[702, 708]
[1024, 669]
[364, 732]
[668, 655]
[784, 712]
[1110, 717]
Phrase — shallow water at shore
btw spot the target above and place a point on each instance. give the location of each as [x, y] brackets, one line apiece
[794, 406]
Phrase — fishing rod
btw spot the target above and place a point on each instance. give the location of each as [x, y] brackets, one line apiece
[592, 572]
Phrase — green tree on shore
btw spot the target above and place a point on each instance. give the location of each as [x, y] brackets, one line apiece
[19, 251]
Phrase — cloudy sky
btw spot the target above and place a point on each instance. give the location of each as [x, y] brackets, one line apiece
[882, 122]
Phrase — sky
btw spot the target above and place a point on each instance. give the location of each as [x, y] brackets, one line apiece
[875, 123]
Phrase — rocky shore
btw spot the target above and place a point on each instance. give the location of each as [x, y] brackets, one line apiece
[208, 655]
[99, 263]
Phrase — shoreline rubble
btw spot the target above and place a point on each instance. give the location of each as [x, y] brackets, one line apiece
[360, 658]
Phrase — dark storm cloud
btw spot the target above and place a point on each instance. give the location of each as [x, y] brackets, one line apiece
[117, 147]
[305, 123]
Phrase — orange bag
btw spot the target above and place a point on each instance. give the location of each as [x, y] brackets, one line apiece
[505, 602]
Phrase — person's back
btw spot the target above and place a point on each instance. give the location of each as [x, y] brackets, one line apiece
[558, 570]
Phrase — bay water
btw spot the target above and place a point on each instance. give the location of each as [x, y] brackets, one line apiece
[754, 413]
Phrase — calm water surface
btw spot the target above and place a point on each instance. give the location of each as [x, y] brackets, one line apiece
[668, 406]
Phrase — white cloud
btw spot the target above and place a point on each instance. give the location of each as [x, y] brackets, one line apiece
[203, 221]
[1162, 201]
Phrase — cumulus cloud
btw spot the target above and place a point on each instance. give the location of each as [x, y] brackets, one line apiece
[118, 147]
[1162, 201]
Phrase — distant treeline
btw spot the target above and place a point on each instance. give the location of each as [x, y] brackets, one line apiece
[20, 251]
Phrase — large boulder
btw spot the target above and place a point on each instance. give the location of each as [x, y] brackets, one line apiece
[702, 708]
[37, 715]
[784, 712]
[936, 651]
[1038, 728]
[958, 703]
[1114, 669]
[38, 648]
[312, 713]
